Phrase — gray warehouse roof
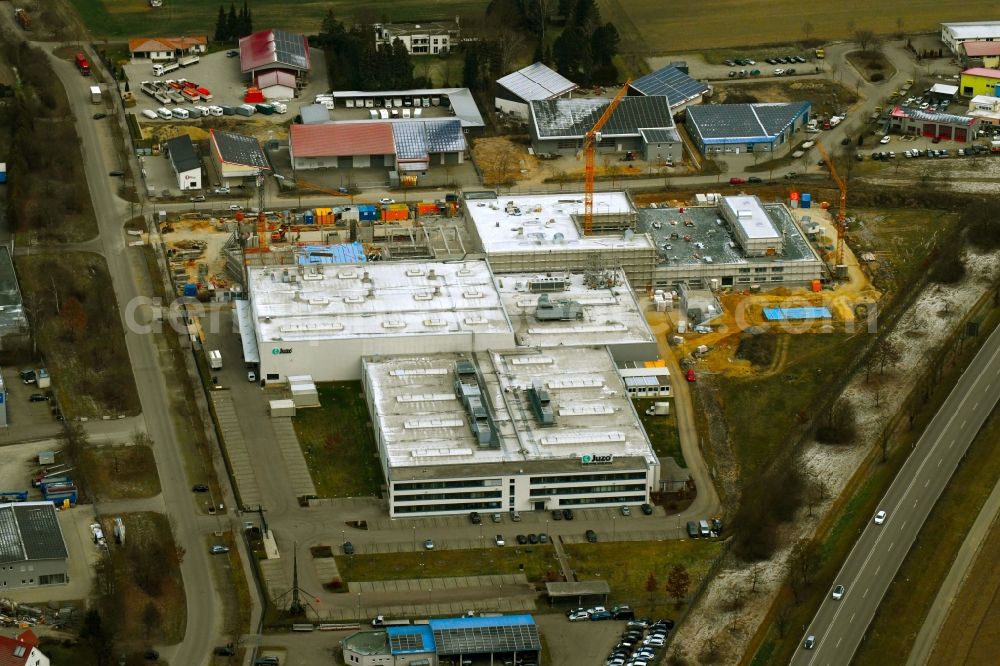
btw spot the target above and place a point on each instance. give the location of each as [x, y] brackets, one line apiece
[314, 113]
[536, 81]
[573, 118]
[673, 83]
[182, 154]
[30, 531]
[239, 149]
[660, 135]
[744, 121]
[415, 139]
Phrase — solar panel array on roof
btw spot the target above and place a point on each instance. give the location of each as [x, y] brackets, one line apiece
[11, 549]
[479, 640]
[289, 48]
[744, 121]
[406, 643]
[536, 81]
[665, 135]
[573, 118]
[40, 531]
[239, 149]
[673, 83]
[414, 140]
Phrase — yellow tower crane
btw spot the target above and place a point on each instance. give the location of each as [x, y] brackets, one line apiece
[841, 209]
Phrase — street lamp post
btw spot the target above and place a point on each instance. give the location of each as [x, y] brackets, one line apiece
[343, 537]
[359, 606]
[613, 522]
[414, 537]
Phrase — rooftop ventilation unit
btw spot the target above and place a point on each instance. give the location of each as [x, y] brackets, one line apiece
[468, 390]
[541, 405]
[562, 310]
[546, 284]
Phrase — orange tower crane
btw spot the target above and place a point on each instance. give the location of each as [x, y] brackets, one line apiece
[841, 225]
[590, 141]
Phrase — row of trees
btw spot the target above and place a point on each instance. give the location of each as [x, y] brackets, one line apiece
[355, 62]
[232, 26]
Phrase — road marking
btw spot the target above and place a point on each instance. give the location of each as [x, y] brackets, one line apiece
[865, 593]
[838, 642]
[852, 618]
[952, 444]
[927, 483]
[941, 460]
[877, 569]
[962, 427]
[890, 546]
[915, 502]
[975, 406]
[902, 526]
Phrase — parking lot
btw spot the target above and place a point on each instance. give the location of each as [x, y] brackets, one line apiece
[221, 75]
[26, 419]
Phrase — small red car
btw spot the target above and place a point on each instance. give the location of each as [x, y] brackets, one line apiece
[690, 375]
[737, 181]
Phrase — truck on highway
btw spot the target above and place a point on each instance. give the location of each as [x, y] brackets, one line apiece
[81, 63]
[187, 61]
[95, 94]
[161, 68]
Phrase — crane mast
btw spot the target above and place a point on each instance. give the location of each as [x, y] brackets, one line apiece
[590, 141]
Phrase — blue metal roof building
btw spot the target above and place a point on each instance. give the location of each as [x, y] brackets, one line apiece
[411, 639]
[745, 128]
[337, 253]
[680, 88]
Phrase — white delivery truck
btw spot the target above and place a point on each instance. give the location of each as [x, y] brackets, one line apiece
[161, 68]
[215, 359]
[95, 94]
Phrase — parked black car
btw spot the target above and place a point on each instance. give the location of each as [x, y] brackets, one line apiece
[591, 536]
[475, 518]
[556, 514]
[348, 548]
[568, 514]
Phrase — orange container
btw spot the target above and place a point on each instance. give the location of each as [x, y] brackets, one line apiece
[816, 286]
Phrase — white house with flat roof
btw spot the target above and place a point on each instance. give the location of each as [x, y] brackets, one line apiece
[545, 232]
[319, 320]
[753, 229]
[524, 429]
[558, 309]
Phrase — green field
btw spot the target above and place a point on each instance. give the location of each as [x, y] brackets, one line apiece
[649, 27]
[121, 19]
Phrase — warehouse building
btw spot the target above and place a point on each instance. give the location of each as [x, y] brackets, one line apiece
[739, 243]
[237, 157]
[32, 550]
[504, 639]
[731, 129]
[945, 126]
[980, 81]
[320, 320]
[539, 233]
[646, 379]
[275, 50]
[585, 308]
[166, 48]
[681, 90]
[516, 91]
[184, 162]
[403, 104]
[405, 145]
[981, 54]
[985, 109]
[276, 84]
[954, 35]
[431, 37]
[641, 125]
[525, 429]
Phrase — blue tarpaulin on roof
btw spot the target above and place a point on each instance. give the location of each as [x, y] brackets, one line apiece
[781, 314]
[339, 253]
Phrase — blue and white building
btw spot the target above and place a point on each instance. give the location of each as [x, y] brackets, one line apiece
[732, 129]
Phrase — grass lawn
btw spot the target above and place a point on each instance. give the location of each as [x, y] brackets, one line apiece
[870, 63]
[130, 599]
[338, 444]
[626, 567]
[78, 330]
[733, 23]
[662, 430]
[813, 361]
[537, 561]
[121, 472]
[121, 19]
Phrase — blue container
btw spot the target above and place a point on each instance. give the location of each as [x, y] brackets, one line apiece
[806, 200]
[191, 289]
[367, 212]
[309, 218]
[3, 173]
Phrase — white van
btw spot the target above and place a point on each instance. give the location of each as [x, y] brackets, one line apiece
[215, 110]
[164, 112]
[205, 111]
[181, 114]
[149, 113]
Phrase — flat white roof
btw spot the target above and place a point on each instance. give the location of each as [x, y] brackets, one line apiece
[423, 423]
[973, 29]
[545, 223]
[326, 302]
[752, 217]
[610, 314]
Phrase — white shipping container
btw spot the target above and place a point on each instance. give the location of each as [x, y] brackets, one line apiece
[279, 408]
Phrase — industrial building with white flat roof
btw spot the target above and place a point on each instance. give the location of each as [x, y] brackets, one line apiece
[544, 232]
[319, 320]
[577, 309]
[527, 429]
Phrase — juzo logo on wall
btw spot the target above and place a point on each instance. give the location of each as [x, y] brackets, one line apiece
[591, 459]
[281, 350]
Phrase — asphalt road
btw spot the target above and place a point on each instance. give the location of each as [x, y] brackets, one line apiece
[840, 626]
[203, 605]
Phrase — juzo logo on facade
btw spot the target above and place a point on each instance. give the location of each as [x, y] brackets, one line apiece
[281, 350]
[591, 459]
